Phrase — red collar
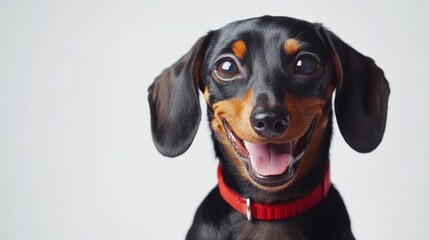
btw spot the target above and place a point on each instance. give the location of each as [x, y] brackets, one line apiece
[275, 211]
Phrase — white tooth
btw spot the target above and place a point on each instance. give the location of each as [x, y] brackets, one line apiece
[246, 144]
[299, 156]
[291, 161]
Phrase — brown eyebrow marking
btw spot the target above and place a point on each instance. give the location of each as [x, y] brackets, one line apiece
[239, 48]
[291, 46]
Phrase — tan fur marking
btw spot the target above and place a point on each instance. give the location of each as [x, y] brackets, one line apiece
[239, 48]
[291, 46]
[207, 95]
[237, 113]
[305, 109]
[307, 160]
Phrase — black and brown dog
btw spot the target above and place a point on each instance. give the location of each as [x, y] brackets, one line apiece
[268, 83]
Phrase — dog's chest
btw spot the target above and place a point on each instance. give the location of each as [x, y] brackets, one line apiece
[267, 230]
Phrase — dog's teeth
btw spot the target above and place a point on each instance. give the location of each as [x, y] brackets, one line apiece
[246, 144]
[291, 161]
[290, 165]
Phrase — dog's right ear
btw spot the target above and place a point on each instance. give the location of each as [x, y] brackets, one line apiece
[174, 104]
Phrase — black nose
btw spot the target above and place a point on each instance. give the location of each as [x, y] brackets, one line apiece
[269, 122]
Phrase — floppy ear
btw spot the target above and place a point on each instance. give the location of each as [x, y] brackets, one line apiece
[174, 104]
[361, 97]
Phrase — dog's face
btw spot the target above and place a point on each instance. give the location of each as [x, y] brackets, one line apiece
[268, 83]
[268, 86]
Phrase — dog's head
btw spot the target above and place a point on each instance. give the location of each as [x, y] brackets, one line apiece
[269, 83]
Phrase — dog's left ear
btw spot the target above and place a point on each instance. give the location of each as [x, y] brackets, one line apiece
[174, 104]
[361, 97]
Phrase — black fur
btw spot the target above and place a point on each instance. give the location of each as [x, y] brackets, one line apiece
[360, 105]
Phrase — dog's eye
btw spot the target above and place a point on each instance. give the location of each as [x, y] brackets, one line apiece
[227, 69]
[306, 65]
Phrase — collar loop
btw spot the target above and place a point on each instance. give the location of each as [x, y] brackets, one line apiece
[274, 211]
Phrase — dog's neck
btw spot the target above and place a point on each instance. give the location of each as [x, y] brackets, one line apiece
[277, 211]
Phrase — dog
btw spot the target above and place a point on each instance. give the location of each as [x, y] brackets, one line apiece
[268, 83]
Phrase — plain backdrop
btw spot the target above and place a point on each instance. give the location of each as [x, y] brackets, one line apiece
[76, 156]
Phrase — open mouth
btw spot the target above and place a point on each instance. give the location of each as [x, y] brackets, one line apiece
[271, 164]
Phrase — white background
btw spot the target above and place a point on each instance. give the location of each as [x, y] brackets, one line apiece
[76, 155]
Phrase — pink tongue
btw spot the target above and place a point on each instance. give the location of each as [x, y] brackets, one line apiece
[269, 159]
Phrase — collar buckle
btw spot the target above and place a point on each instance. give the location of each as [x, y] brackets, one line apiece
[249, 209]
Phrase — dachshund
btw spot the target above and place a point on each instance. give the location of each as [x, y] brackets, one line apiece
[268, 83]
